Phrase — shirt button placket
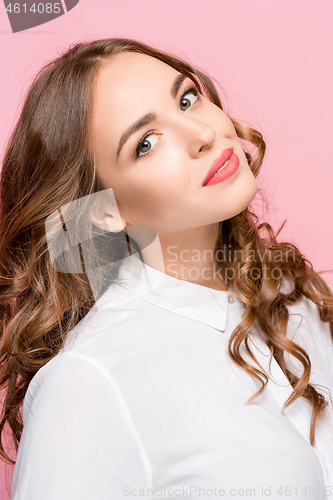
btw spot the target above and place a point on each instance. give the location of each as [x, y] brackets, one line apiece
[231, 299]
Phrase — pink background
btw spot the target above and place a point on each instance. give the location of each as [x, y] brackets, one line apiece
[273, 60]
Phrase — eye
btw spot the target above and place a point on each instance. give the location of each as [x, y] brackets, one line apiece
[192, 90]
[149, 140]
[146, 145]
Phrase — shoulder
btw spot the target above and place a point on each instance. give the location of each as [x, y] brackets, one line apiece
[66, 377]
[88, 360]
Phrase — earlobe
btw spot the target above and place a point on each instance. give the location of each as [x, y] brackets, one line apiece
[107, 219]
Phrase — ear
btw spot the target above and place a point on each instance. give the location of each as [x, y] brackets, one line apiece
[107, 218]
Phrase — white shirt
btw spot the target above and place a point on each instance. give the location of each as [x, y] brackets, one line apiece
[144, 401]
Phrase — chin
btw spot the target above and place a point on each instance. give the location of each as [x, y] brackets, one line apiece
[247, 197]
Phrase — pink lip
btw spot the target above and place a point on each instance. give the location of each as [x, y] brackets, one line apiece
[226, 154]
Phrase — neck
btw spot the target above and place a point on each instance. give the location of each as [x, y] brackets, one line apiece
[185, 255]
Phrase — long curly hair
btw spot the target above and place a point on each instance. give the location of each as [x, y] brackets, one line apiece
[47, 164]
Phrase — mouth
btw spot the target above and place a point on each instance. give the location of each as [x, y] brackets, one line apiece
[218, 164]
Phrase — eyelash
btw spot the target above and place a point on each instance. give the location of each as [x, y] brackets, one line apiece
[192, 89]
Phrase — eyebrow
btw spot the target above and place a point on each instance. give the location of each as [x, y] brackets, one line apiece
[149, 117]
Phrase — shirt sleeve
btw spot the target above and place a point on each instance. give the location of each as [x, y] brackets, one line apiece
[78, 440]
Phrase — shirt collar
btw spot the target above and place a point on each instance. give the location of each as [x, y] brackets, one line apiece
[137, 279]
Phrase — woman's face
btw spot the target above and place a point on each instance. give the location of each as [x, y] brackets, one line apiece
[163, 186]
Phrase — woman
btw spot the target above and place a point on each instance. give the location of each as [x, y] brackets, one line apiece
[163, 346]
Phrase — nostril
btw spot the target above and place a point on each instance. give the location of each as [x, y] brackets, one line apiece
[204, 146]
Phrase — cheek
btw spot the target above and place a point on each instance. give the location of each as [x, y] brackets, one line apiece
[154, 194]
[148, 198]
[222, 122]
[145, 198]
[162, 179]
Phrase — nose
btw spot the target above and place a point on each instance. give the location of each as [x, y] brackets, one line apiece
[200, 136]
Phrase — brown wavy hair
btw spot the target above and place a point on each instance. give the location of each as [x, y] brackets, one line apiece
[48, 163]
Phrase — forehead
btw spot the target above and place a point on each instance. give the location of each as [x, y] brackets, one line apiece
[133, 72]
